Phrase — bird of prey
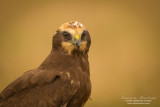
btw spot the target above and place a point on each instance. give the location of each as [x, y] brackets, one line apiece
[63, 78]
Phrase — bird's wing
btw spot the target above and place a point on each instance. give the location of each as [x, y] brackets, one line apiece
[29, 79]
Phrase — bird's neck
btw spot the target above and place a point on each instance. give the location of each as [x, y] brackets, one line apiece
[58, 60]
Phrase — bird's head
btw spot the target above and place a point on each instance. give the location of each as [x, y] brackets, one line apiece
[72, 37]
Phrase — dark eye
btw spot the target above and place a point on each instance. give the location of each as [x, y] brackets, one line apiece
[83, 36]
[66, 36]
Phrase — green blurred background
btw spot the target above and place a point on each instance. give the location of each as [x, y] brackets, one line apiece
[124, 55]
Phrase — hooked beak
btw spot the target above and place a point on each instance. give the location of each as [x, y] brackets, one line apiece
[77, 41]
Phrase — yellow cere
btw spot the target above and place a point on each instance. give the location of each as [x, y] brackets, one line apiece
[77, 37]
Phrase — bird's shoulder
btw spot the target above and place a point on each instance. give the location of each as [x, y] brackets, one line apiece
[30, 79]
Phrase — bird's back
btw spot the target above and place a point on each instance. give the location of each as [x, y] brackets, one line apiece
[52, 87]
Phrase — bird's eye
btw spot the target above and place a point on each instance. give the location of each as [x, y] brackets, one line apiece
[83, 36]
[66, 36]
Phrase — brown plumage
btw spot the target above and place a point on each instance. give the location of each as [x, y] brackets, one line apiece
[62, 80]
